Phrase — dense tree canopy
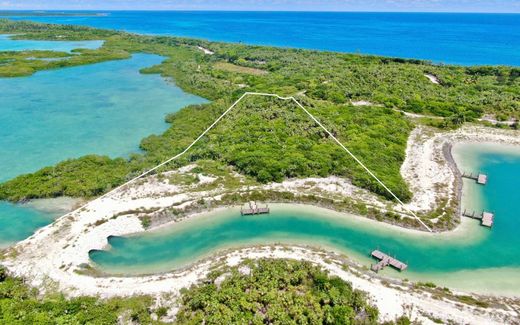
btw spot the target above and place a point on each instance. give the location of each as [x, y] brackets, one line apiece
[275, 292]
[21, 305]
[265, 139]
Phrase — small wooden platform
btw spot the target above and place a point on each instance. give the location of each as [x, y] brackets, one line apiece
[253, 208]
[486, 218]
[385, 260]
[482, 179]
[479, 178]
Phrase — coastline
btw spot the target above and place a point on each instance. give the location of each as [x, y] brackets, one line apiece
[57, 206]
[468, 232]
[472, 198]
[57, 256]
[19, 220]
[432, 171]
[458, 182]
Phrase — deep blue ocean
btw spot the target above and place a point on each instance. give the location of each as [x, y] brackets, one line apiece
[467, 39]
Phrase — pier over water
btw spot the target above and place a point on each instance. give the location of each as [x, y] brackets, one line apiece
[479, 178]
[385, 260]
[486, 218]
[253, 208]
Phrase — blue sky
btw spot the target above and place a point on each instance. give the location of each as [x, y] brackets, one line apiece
[306, 5]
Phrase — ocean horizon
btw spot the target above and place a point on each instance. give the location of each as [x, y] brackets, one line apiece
[447, 38]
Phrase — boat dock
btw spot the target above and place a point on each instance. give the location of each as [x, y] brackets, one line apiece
[253, 208]
[385, 260]
[479, 178]
[486, 218]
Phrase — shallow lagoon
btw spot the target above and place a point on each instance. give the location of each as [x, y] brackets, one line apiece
[104, 108]
[471, 252]
[8, 44]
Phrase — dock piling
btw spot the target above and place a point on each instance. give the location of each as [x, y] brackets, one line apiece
[385, 260]
[486, 218]
[254, 209]
[479, 178]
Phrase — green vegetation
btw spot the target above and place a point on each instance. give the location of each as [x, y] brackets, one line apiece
[146, 221]
[255, 292]
[23, 63]
[239, 69]
[275, 292]
[84, 177]
[269, 140]
[16, 64]
[264, 139]
[469, 300]
[183, 179]
[21, 305]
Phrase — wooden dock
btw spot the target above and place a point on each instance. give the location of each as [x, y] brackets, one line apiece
[479, 178]
[486, 218]
[385, 260]
[253, 208]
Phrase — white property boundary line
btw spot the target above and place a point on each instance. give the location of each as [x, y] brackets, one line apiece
[220, 118]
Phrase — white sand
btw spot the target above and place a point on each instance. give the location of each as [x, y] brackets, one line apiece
[205, 50]
[58, 206]
[392, 302]
[53, 255]
[361, 103]
[428, 174]
[432, 78]
[493, 120]
[415, 115]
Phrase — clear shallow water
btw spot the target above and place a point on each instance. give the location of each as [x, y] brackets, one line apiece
[479, 248]
[7, 44]
[466, 39]
[104, 108]
[502, 193]
[17, 222]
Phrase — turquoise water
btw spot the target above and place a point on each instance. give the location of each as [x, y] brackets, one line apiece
[479, 248]
[104, 108]
[501, 195]
[17, 223]
[7, 44]
[466, 39]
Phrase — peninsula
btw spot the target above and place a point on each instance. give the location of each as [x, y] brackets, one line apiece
[341, 138]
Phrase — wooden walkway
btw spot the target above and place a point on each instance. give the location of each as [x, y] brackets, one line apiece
[385, 260]
[254, 209]
[486, 218]
[479, 178]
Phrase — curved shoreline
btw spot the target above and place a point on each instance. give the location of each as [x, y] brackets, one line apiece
[447, 149]
[464, 233]
[58, 254]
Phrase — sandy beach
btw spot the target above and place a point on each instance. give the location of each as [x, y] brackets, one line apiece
[57, 257]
